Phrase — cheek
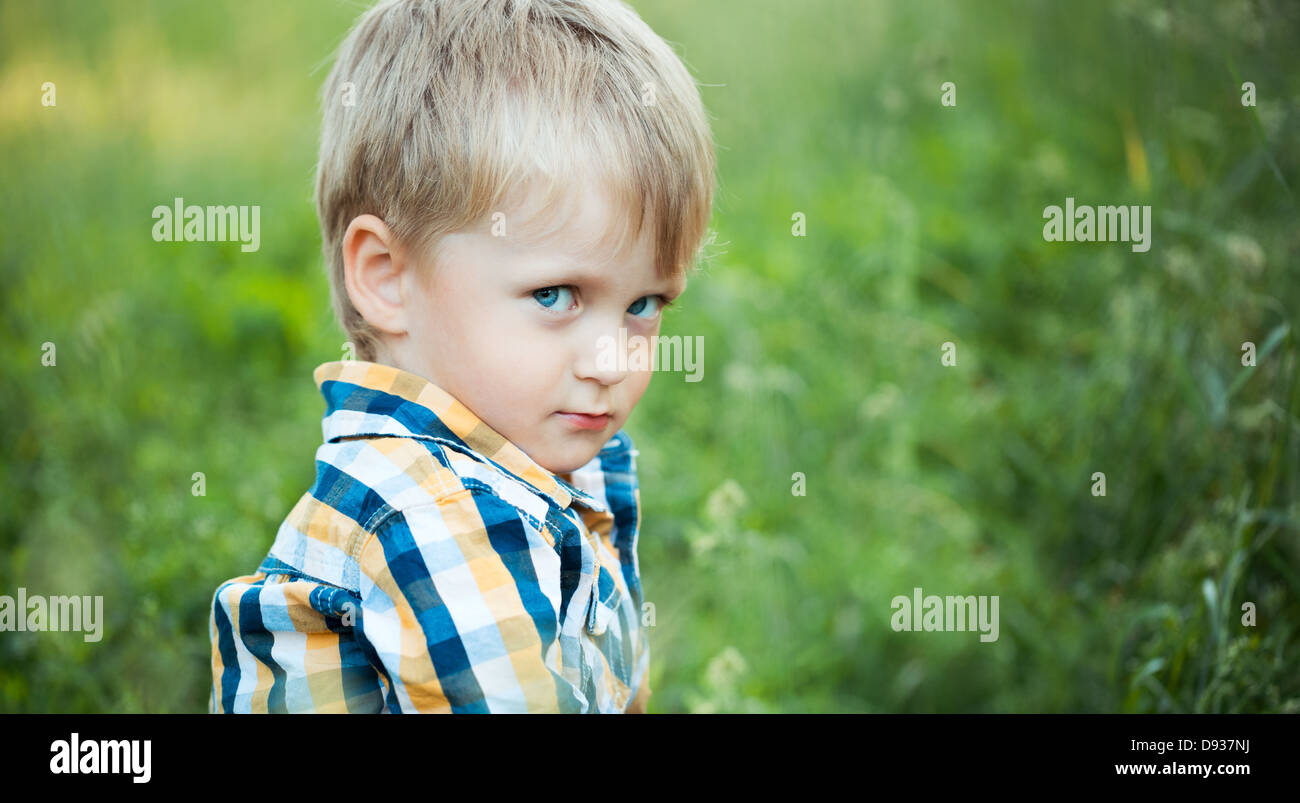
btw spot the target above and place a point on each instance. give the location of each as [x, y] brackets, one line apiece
[636, 385]
[517, 352]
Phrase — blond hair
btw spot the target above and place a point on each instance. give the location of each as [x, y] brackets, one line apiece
[437, 111]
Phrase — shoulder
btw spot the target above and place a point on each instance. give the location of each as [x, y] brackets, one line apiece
[461, 528]
[368, 478]
[468, 557]
[446, 502]
[360, 484]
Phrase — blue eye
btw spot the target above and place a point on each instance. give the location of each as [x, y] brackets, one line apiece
[640, 304]
[549, 296]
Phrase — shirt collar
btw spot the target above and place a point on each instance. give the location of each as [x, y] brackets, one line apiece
[367, 399]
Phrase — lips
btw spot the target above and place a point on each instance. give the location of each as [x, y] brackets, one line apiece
[586, 420]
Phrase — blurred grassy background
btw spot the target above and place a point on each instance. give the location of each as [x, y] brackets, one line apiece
[923, 226]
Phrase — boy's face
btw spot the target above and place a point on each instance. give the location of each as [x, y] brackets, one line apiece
[514, 329]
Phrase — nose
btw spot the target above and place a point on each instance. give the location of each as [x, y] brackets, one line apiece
[604, 359]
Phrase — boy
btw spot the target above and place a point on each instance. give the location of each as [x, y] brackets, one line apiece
[503, 185]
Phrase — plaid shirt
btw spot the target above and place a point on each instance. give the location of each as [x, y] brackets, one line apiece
[435, 567]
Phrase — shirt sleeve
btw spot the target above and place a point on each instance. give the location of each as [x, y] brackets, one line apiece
[455, 611]
[280, 644]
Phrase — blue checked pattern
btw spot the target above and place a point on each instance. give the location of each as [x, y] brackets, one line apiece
[435, 567]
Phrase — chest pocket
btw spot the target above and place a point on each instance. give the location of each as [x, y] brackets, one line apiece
[606, 597]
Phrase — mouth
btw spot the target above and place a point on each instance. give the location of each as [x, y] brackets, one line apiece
[586, 420]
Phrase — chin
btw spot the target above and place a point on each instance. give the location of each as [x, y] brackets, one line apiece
[563, 465]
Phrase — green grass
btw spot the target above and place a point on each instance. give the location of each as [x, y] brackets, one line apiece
[924, 225]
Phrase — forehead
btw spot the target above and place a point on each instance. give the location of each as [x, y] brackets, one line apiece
[583, 233]
[583, 220]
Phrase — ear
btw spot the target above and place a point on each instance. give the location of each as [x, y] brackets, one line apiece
[373, 268]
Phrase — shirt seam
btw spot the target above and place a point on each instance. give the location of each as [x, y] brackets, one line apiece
[470, 486]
